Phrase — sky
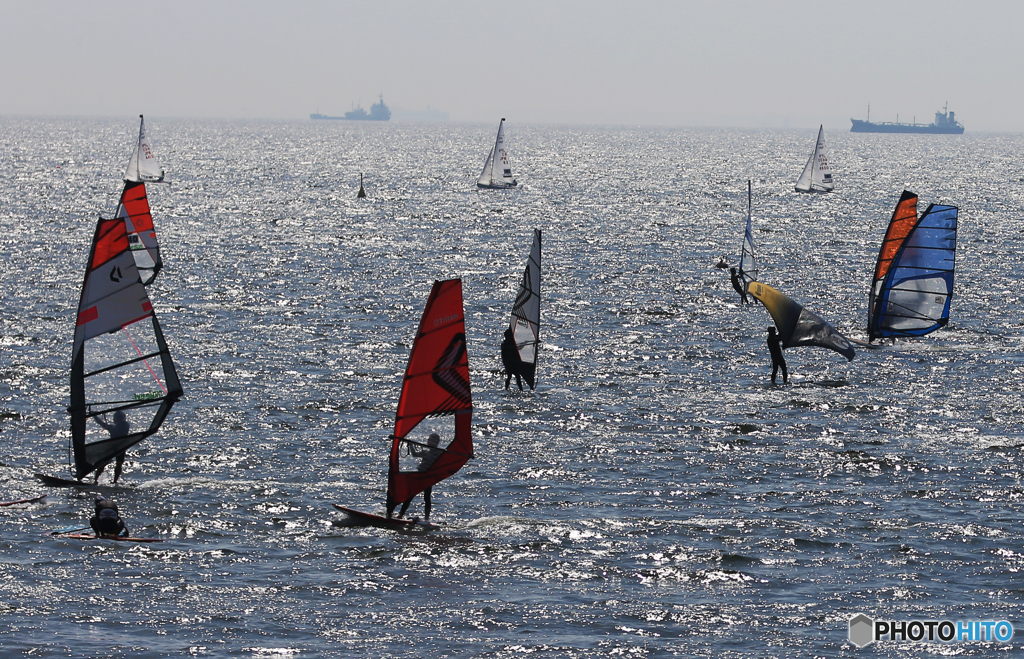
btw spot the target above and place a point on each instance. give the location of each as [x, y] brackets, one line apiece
[677, 63]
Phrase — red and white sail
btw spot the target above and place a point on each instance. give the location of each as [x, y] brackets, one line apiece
[435, 398]
[120, 362]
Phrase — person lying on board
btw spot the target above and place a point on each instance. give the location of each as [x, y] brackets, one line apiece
[775, 349]
[428, 455]
[119, 428]
[107, 520]
[737, 283]
[510, 359]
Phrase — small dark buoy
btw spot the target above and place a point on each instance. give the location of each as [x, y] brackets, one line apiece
[362, 193]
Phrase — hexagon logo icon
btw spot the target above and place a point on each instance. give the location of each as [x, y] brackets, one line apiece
[861, 628]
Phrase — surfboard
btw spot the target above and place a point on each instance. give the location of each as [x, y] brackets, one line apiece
[54, 481]
[90, 536]
[370, 519]
[32, 500]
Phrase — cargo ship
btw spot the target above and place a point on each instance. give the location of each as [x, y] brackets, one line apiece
[378, 112]
[945, 124]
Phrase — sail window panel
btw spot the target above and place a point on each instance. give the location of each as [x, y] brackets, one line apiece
[123, 366]
[416, 455]
[525, 335]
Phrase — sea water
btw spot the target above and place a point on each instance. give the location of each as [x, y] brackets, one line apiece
[655, 496]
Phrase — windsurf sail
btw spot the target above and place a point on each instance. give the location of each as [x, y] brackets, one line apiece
[816, 177]
[525, 321]
[798, 326]
[133, 207]
[123, 381]
[748, 264]
[912, 287]
[435, 399]
[497, 171]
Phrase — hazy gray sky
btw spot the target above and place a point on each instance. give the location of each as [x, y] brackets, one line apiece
[724, 63]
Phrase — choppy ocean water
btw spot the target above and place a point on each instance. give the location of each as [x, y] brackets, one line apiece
[655, 497]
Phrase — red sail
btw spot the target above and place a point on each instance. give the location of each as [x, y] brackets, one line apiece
[436, 385]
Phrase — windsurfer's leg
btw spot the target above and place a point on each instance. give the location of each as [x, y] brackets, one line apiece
[117, 467]
[785, 373]
[99, 470]
[775, 370]
[426, 505]
[519, 381]
[508, 378]
[405, 507]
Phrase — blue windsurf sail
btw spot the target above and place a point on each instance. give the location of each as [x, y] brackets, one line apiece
[798, 326]
[912, 286]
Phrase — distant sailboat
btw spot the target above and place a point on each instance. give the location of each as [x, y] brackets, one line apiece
[912, 286]
[497, 171]
[748, 263]
[435, 398]
[362, 193]
[120, 362]
[816, 177]
[525, 322]
[133, 207]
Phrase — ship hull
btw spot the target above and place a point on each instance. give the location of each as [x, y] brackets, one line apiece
[860, 126]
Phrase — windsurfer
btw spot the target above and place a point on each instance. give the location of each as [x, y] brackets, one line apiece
[119, 428]
[775, 348]
[107, 520]
[510, 359]
[428, 455]
[737, 283]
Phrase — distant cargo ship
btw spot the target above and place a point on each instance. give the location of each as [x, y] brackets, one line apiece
[378, 112]
[945, 123]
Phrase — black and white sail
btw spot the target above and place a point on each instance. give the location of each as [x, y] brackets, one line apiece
[525, 322]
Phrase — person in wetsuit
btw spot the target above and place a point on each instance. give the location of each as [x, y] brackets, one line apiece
[119, 428]
[737, 283]
[107, 520]
[775, 349]
[510, 359]
[428, 455]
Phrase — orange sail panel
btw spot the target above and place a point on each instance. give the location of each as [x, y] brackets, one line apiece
[903, 220]
[435, 399]
[138, 221]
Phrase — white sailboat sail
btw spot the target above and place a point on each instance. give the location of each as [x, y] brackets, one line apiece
[120, 363]
[133, 207]
[816, 177]
[497, 170]
[143, 166]
[485, 175]
[748, 263]
[525, 323]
